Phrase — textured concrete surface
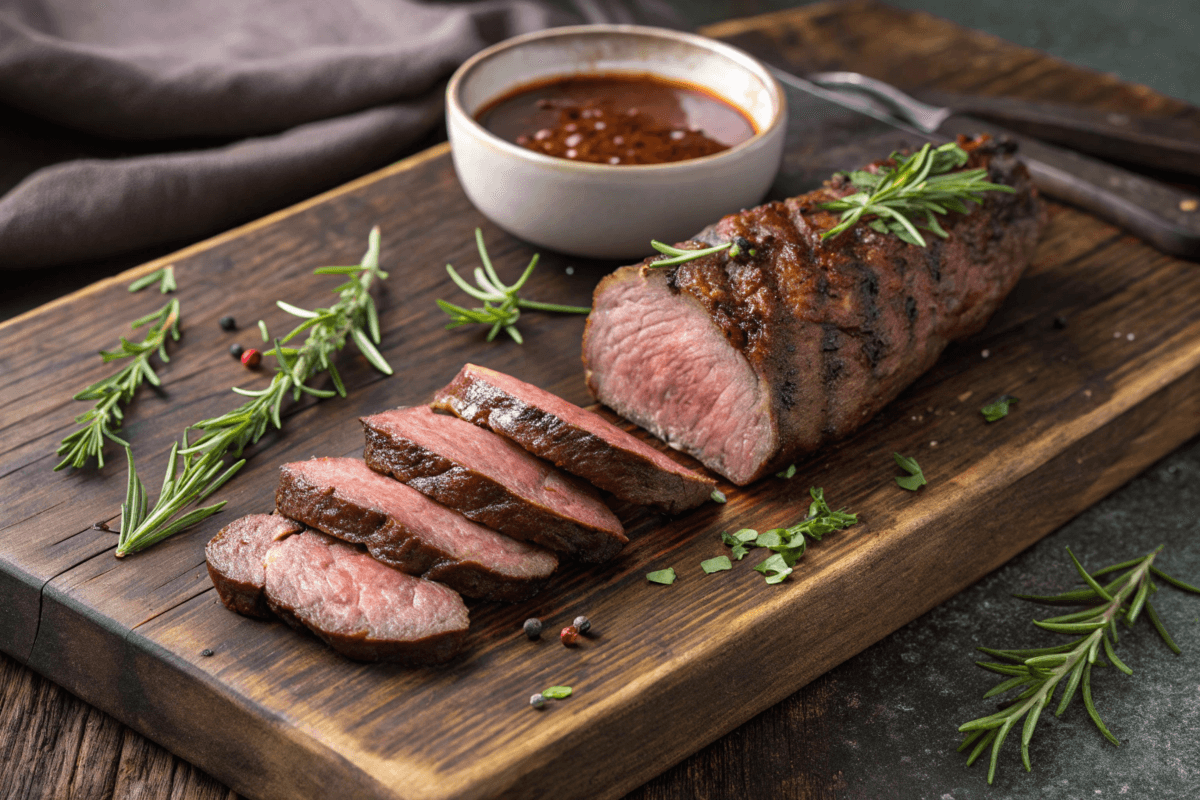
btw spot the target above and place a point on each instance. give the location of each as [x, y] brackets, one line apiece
[896, 706]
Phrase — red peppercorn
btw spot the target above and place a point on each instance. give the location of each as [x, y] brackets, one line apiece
[251, 358]
[569, 636]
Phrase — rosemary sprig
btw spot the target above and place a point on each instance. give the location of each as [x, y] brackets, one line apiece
[198, 468]
[103, 420]
[1038, 672]
[491, 290]
[907, 196]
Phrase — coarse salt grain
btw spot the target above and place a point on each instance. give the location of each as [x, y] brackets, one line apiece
[1130, 337]
[986, 353]
[570, 270]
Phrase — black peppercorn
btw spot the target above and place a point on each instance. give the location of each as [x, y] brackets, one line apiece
[533, 628]
[235, 350]
[206, 652]
[1060, 322]
[582, 623]
[227, 324]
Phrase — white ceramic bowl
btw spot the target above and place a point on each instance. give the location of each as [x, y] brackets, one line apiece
[599, 210]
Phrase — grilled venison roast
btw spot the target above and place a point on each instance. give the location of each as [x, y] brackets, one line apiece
[405, 529]
[492, 481]
[574, 439]
[748, 362]
[360, 607]
[235, 560]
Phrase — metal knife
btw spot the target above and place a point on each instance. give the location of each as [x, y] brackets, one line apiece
[1161, 215]
[1165, 144]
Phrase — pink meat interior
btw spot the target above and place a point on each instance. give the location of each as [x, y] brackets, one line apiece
[574, 415]
[658, 360]
[432, 522]
[335, 588]
[496, 457]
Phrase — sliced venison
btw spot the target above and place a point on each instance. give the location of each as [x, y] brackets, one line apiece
[407, 530]
[235, 560]
[492, 481]
[751, 357]
[359, 606]
[574, 439]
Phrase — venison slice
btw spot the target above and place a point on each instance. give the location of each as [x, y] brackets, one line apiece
[407, 530]
[492, 481]
[235, 560]
[574, 439]
[361, 607]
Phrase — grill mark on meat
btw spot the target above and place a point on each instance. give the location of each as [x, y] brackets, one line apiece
[573, 439]
[933, 257]
[492, 481]
[405, 529]
[955, 285]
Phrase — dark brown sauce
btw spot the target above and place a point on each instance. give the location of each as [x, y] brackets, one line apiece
[618, 119]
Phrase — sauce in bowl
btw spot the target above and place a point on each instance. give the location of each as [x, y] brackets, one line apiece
[617, 119]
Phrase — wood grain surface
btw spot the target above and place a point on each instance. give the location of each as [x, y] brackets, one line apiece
[272, 714]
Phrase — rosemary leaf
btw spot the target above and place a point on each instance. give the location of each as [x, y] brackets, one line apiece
[103, 420]
[199, 467]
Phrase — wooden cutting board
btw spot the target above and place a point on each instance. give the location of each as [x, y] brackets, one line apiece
[275, 714]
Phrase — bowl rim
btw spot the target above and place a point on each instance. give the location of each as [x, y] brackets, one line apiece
[734, 54]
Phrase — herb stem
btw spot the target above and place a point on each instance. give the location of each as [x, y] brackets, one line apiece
[916, 188]
[103, 420]
[501, 305]
[1040, 671]
[204, 465]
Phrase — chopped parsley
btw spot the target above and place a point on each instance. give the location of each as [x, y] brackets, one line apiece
[664, 576]
[915, 479]
[718, 564]
[998, 408]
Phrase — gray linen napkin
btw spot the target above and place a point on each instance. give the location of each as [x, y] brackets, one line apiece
[216, 110]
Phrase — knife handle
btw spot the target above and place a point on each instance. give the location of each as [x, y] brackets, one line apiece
[1167, 144]
[1160, 214]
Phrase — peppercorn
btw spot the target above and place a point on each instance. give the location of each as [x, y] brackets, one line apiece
[533, 628]
[251, 359]
[582, 623]
[537, 701]
[1060, 322]
[227, 323]
[206, 652]
[235, 350]
[569, 636]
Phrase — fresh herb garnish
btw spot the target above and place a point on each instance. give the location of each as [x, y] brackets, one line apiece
[918, 187]
[915, 478]
[664, 576]
[103, 420]
[788, 473]
[998, 408]
[204, 465]
[677, 255]
[163, 276]
[717, 496]
[491, 290]
[1039, 671]
[740, 542]
[718, 564]
[789, 544]
[557, 692]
